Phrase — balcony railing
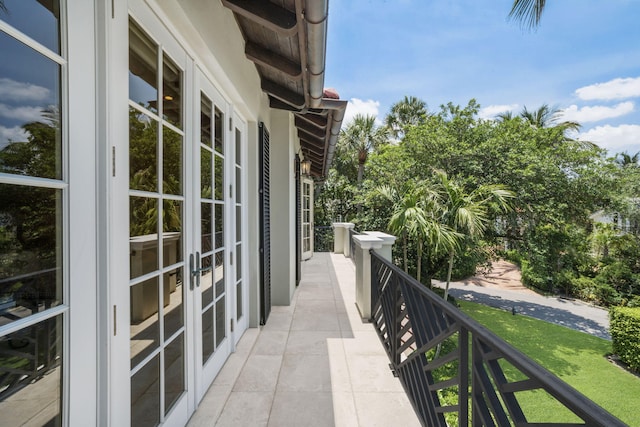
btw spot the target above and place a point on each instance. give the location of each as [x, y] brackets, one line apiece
[322, 238]
[352, 243]
[456, 371]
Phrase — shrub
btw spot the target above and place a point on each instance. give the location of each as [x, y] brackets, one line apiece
[625, 333]
[533, 278]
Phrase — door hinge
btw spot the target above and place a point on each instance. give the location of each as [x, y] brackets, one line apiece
[231, 258]
[230, 190]
[115, 322]
[230, 123]
[113, 161]
[232, 325]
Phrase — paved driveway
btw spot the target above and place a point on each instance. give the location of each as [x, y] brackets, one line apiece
[570, 313]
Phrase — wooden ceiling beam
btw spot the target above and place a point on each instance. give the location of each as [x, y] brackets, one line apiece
[267, 58]
[265, 13]
[319, 141]
[309, 127]
[282, 93]
[318, 121]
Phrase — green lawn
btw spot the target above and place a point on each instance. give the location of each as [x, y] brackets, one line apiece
[577, 358]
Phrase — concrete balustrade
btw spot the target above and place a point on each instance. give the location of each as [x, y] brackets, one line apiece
[341, 243]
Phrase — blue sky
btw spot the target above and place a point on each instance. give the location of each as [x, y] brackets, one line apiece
[584, 58]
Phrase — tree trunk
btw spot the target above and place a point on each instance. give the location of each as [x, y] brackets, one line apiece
[360, 173]
[446, 289]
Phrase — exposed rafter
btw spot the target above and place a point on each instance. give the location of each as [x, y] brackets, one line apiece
[283, 94]
[311, 138]
[318, 121]
[265, 13]
[320, 132]
[262, 56]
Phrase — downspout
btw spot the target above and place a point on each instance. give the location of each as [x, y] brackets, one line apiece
[315, 16]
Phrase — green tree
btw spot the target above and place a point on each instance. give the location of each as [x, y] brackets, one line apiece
[527, 12]
[408, 112]
[362, 136]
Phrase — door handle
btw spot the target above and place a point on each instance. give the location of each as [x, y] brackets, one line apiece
[196, 270]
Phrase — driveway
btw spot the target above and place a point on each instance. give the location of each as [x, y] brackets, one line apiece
[573, 314]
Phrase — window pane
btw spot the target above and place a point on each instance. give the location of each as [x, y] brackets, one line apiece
[143, 152]
[171, 161]
[145, 395]
[145, 329]
[206, 281]
[219, 128]
[238, 185]
[205, 174]
[30, 251]
[173, 308]
[143, 69]
[30, 141]
[171, 92]
[219, 177]
[207, 335]
[238, 147]
[220, 321]
[173, 372]
[143, 232]
[205, 120]
[172, 232]
[238, 223]
[38, 19]
[219, 276]
[30, 375]
[219, 221]
[207, 242]
[238, 262]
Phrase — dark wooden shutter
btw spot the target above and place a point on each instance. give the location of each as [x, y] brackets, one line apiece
[265, 226]
[298, 222]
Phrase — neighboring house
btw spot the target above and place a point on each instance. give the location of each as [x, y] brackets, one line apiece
[151, 202]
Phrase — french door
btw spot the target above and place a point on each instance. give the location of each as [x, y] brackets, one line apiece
[307, 218]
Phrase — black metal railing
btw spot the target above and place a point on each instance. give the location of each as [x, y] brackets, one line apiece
[323, 238]
[457, 372]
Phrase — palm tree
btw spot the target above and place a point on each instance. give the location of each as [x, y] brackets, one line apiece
[363, 136]
[505, 116]
[547, 117]
[528, 12]
[411, 111]
[467, 213]
[627, 160]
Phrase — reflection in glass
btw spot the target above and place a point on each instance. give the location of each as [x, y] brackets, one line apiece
[238, 261]
[145, 329]
[143, 151]
[238, 147]
[30, 251]
[219, 131]
[38, 19]
[143, 232]
[173, 372]
[171, 161]
[238, 223]
[239, 312]
[220, 288]
[219, 223]
[145, 395]
[205, 120]
[206, 281]
[220, 320]
[205, 173]
[206, 227]
[30, 375]
[143, 68]
[238, 185]
[207, 335]
[30, 141]
[172, 231]
[173, 307]
[219, 178]
[171, 92]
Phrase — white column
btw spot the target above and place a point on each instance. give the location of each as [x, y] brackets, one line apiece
[364, 243]
[340, 234]
[387, 243]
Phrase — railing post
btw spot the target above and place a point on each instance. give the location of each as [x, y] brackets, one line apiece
[341, 237]
[387, 243]
[364, 243]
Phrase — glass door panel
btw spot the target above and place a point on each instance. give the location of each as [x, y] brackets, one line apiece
[307, 218]
[156, 230]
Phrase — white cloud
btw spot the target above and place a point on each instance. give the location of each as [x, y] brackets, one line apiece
[27, 114]
[18, 91]
[14, 134]
[596, 113]
[493, 110]
[614, 138]
[358, 106]
[613, 89]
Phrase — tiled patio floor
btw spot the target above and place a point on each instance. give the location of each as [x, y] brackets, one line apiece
[313, 364]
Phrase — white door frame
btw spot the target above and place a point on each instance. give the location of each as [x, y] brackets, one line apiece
[306, 195]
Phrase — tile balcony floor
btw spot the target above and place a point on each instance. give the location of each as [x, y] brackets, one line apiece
[315, 363]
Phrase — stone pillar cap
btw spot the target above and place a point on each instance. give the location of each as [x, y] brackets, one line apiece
[366, 241]
[387, 238]
[343, 224]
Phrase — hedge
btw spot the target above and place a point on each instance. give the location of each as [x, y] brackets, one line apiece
[625, 333]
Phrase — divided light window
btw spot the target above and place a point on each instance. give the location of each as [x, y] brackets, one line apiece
[34, 191]
[156, 213]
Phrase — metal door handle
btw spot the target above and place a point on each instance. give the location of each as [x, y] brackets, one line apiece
[196, 270]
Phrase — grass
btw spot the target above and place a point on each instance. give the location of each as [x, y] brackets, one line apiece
[577, 358]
